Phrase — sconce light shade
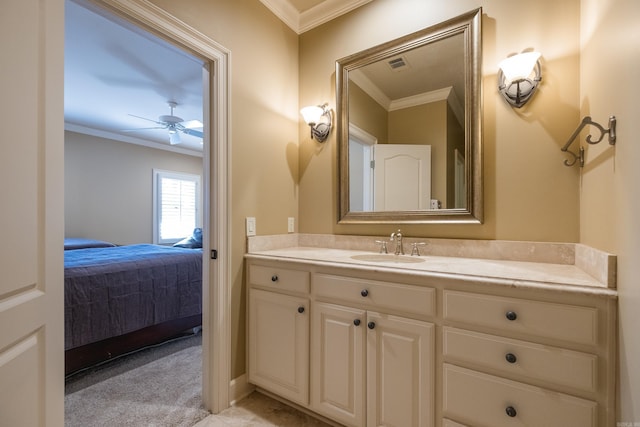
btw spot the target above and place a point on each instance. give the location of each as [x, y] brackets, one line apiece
[518, 77]
[319, 119]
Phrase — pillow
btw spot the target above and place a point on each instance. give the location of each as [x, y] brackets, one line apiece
[71, 243]
[192, 242]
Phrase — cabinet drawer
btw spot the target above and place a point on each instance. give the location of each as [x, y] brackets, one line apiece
[484, 400]
[509, 356]
[557, 321]
[279, 278]
[380, 295]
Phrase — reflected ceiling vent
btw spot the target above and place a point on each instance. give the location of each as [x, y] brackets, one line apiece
[398, 64]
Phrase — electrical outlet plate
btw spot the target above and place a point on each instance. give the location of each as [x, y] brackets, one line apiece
[291, 224]
[251, 226]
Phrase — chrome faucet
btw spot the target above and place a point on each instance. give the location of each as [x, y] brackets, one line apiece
[397, 236]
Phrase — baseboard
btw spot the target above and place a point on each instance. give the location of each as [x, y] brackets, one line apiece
[239, 388]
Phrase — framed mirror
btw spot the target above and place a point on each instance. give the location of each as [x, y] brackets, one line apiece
[409, 123]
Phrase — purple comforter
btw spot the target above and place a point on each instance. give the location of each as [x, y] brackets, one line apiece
[113, 291]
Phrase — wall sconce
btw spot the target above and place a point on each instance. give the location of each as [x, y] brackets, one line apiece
[518, 77]
[319, 119]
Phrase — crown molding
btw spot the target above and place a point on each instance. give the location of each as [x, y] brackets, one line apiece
[72, 127]
[312, 17]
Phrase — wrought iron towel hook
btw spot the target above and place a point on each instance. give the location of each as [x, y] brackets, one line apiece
[587, 121]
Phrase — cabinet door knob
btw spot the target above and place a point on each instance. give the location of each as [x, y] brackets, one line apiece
[274, 278]
[300, 309]
[511, 358]
[356, 322]
[511, 315]
[364, 292]
[511, 411]
[371, 325]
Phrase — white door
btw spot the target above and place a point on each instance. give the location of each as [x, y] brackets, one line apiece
[31, 216]
[402, 177]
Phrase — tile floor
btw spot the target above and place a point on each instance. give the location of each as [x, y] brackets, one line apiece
[258, 410]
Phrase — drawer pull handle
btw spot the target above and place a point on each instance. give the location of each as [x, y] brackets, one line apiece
[511, 411]
[301, 309]
[356, 322]
[511, 358]
[274, 278]
[511, 315]
[364, 292]
[371, 325]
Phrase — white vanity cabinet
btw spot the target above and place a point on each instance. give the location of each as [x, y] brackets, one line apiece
[371, 365]
[365, 346]
[514, 361]
[278, 326]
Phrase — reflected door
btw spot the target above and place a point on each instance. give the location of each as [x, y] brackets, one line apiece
[361, 146]
[402, 177]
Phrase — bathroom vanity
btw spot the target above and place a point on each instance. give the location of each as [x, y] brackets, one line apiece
[470, 333]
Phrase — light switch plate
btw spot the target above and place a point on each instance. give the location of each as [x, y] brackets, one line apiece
[251, 226]
[291, 224]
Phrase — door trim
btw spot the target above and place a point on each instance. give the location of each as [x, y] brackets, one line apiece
[216, 343]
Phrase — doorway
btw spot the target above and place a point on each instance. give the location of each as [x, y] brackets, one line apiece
[214, 80]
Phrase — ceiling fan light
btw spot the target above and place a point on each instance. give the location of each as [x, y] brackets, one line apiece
[174, 138]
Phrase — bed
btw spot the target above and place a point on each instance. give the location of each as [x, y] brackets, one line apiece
[122, 298]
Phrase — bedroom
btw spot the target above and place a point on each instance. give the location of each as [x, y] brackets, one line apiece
[121, 188]
[582, 63]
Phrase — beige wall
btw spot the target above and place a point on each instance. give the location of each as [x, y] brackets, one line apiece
[367, 114]
[264, 126]
[529, 193]
[610, 190]
[108, 187]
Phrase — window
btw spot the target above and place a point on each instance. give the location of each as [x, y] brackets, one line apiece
[176, 206]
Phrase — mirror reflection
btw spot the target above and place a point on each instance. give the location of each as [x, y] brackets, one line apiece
[408, 123]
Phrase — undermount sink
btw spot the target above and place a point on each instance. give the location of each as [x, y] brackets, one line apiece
[401, 259]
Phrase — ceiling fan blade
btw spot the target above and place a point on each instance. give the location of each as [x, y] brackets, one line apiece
[137, 129]
[192, 124]
[174, 138]
[144, 118]
[193, 132]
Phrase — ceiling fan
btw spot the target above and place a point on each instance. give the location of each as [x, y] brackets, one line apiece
[174, 125]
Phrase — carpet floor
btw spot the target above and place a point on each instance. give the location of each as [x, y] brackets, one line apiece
[157, 386]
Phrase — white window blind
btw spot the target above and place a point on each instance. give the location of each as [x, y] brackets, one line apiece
[176, 206]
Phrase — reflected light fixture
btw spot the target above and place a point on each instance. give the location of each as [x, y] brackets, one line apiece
[518, 77]
[319, 119]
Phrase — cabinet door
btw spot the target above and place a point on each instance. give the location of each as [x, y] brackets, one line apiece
[279, 344]
[338, 363]
[400, 371]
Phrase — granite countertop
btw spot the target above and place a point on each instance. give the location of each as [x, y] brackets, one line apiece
[562, 270]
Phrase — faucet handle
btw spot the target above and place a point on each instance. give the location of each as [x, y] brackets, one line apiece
[383, 246]
[414, 248]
